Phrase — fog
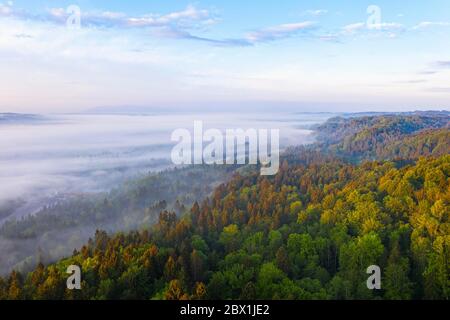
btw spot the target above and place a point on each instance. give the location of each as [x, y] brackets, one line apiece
[86, 153]
[49, 159]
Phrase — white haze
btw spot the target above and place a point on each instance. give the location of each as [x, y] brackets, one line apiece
[62, 154]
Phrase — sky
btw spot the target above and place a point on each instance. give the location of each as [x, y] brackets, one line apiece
[323, 55]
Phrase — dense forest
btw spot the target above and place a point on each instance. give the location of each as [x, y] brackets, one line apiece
[55, 230]
[375, 192]
[386, 137]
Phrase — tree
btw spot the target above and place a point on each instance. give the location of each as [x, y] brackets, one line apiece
[15, 283]
[397, 284]
[199, 244]
[200, 291]
[175, 291]
[301, 251]
[356, 257]
[228, 237]
[282, 260]
[53, 287]
[248, 292]
[269, 278]
[170, 271]
[295, 208]
[218, 289]
[198, 261]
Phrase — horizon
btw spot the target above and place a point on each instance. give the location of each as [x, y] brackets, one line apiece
[150, 112]
[75, 56]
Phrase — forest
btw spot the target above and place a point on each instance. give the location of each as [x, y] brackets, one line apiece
[55, 230]
[372, 190]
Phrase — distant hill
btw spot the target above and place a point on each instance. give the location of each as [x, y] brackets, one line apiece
[18, 117]
[368, 137]
[309, 232]
[430, 142]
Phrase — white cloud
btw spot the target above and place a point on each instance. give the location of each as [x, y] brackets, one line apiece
[440, 89]
[442, 64]
[20, 38]
[273, 33]
[427, 24]
[316, 12]
[386, 26]
[173, 25]
[279, 32]
[187, 18]
[351, 28]
[57, 12]
[387, 29]
[5, 10]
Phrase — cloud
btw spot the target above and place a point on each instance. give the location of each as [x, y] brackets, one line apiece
[57, 12]
[387, 26]
[167, 32]
[188, 18]
[5, 10]
[273, 33]
[413, 81]
[316, 12]
[436, 67]
[440, 89]
[388, 29]
[427, 72]
[23, 36]
[442, 64]
[351, 28]
[330, 37]
[360, 26]
[428, 24]
[279, 32]
[175, 25]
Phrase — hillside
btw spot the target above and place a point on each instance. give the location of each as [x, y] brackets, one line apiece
[429, 142]
[368, 137]
[54, 231]
[309, 232]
